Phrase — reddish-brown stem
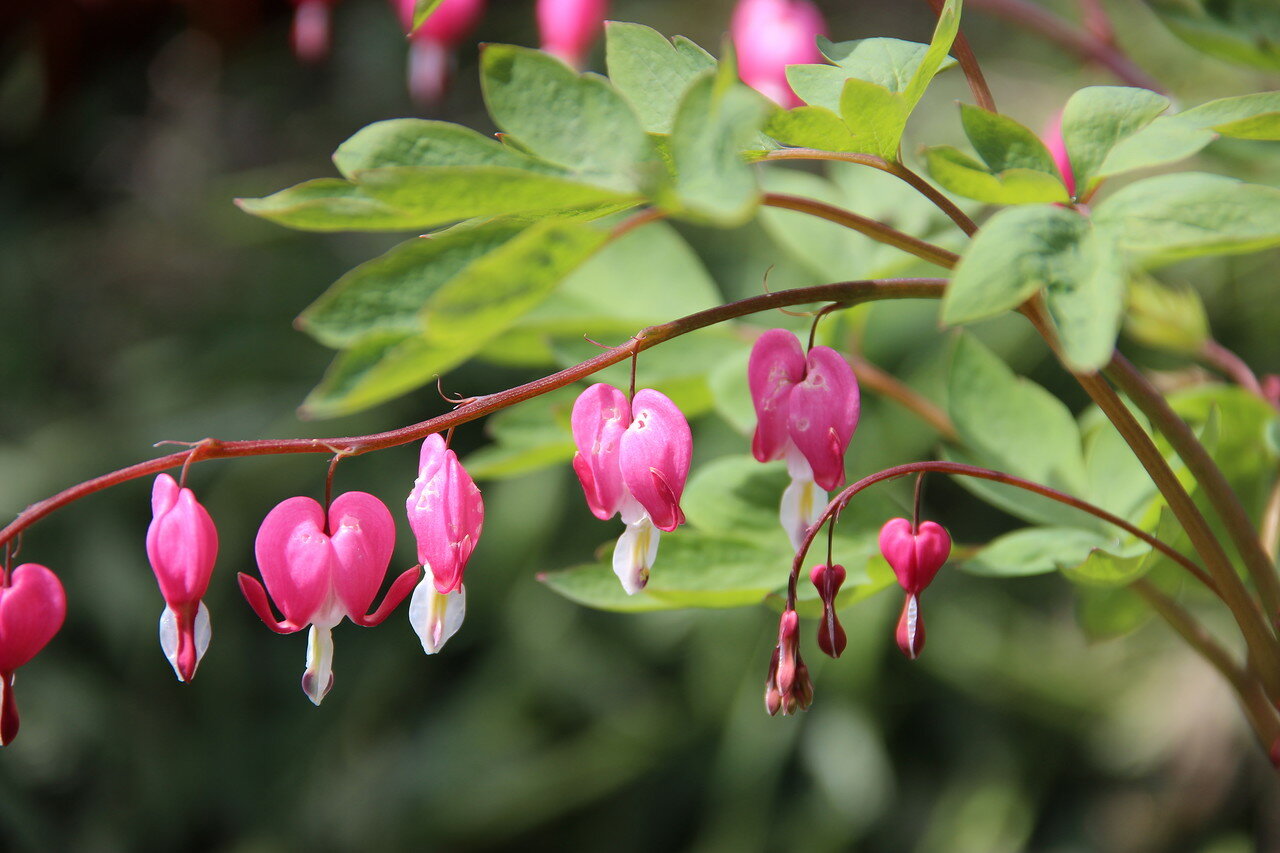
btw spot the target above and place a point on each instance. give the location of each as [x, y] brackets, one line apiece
[957, 469]
[969, 65]
[1040, 20]
[919, 184]
[850, 293]
[863, 225]
[1233, 366]
[887, 385]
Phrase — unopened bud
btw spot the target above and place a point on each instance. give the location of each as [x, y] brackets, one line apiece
[831, 636]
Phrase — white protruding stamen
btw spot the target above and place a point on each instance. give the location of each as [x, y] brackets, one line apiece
[635, 552]
[436, 617]
[317, 681]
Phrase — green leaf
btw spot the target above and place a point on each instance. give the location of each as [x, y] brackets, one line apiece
[1034, 551]
[1105, 613]
[1166, 317]
[1108, 570]
[811, 127]
[577, 121]
[717, 117]
[332, 204]
[1003, 143]
[874, 116]
[1172, 217]
[422, 10]
[693, 569]
[1017, 502]
[1115, 479]
[418, 142]
[1168, 139]
[385, 296]
[1023, 250]
[1255, 116]
[887, 62]
[458, 318]
[651, 72]
[959, 173]
[1011, 424]
[1098, 118]
[935, 57]
[1243, 31]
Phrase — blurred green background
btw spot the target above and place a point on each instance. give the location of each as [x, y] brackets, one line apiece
[140, 305]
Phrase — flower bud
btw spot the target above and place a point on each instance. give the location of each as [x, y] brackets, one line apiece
[831, 636]
[182, 546]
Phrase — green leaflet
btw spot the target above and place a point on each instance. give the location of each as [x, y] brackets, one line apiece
[652, 72]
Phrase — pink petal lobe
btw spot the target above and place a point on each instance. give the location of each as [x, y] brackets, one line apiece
[775, 367]
[655, 452]
[295, 557]
[601, 415]
[363, 534]
[164, 494]
[915, 557]
[32, 609]
[400, 589]
[824, 413]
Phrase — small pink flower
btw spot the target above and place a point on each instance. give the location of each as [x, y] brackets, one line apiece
[788, 687]
[915, 555]
[319, 570]
[569, 27]
[633, 458]
[1058, 148]
[769, 35]
[311, 30]
[32, 608]
[446, 513]
[807, 409]
[432, 44]
[182, 545]
[828, 580]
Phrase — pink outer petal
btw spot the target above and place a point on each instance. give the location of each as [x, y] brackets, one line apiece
[601, 415]
[655, 452]
[915, 559]
[449, 24]
[258, 602]
[400, 589]
[776, 366]
[446, 513]
[295, 558]
[769, 35]
[568, 27]
[32, 609]
[182, 543]
[1058, 148]
[824, 413]
[363, 534]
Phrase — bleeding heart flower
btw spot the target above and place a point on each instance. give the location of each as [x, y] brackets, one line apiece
[769, 35]
[915, 555]
[320, 569]
[828, 580]
[446, 513]
[568, 27]
[633, 458]
[182, 545]
[32, 608]
[807, 409]
[431, 45]
[311, 31]
[788, 687]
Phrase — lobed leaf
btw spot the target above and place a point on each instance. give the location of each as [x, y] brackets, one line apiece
[652, 72]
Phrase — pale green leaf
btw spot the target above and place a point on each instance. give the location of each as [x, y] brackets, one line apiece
[959, 173]
[1097, 118]
[332, 204]
[651, 72]
[1034, 551]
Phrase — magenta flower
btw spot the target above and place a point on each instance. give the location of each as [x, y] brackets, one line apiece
[32, 608]
[311, 31]
[320, 569]
[807, 409]
[769, 35]
[182, 545]
[569, 27]
[633, 458]
[446, 513]
[915, 555]
[432, 44]
[1058, 148]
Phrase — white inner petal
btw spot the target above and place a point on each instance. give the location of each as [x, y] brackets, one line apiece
[802, 505]
[635, 553]
[317, 680]
[435, 617]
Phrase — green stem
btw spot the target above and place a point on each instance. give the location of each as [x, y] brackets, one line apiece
[849, 293]
[1226, 503]
[919, 184]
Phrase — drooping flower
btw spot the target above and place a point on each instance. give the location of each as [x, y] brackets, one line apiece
[431, 45]
[446, 513]
[807, 409]
[828, 580]
[311, 32]
[32, 609]
[633, 459]
[319, 569]
[568, 27]
[787, 687]
[182, 545]
[769, 35]
[916, 555]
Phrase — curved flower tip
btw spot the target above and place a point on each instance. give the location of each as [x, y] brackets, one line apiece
[915, 556]
[436, 616]
[769, 35]
[33, 607]
[569, 27]
[182, 546]
[446, 512]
